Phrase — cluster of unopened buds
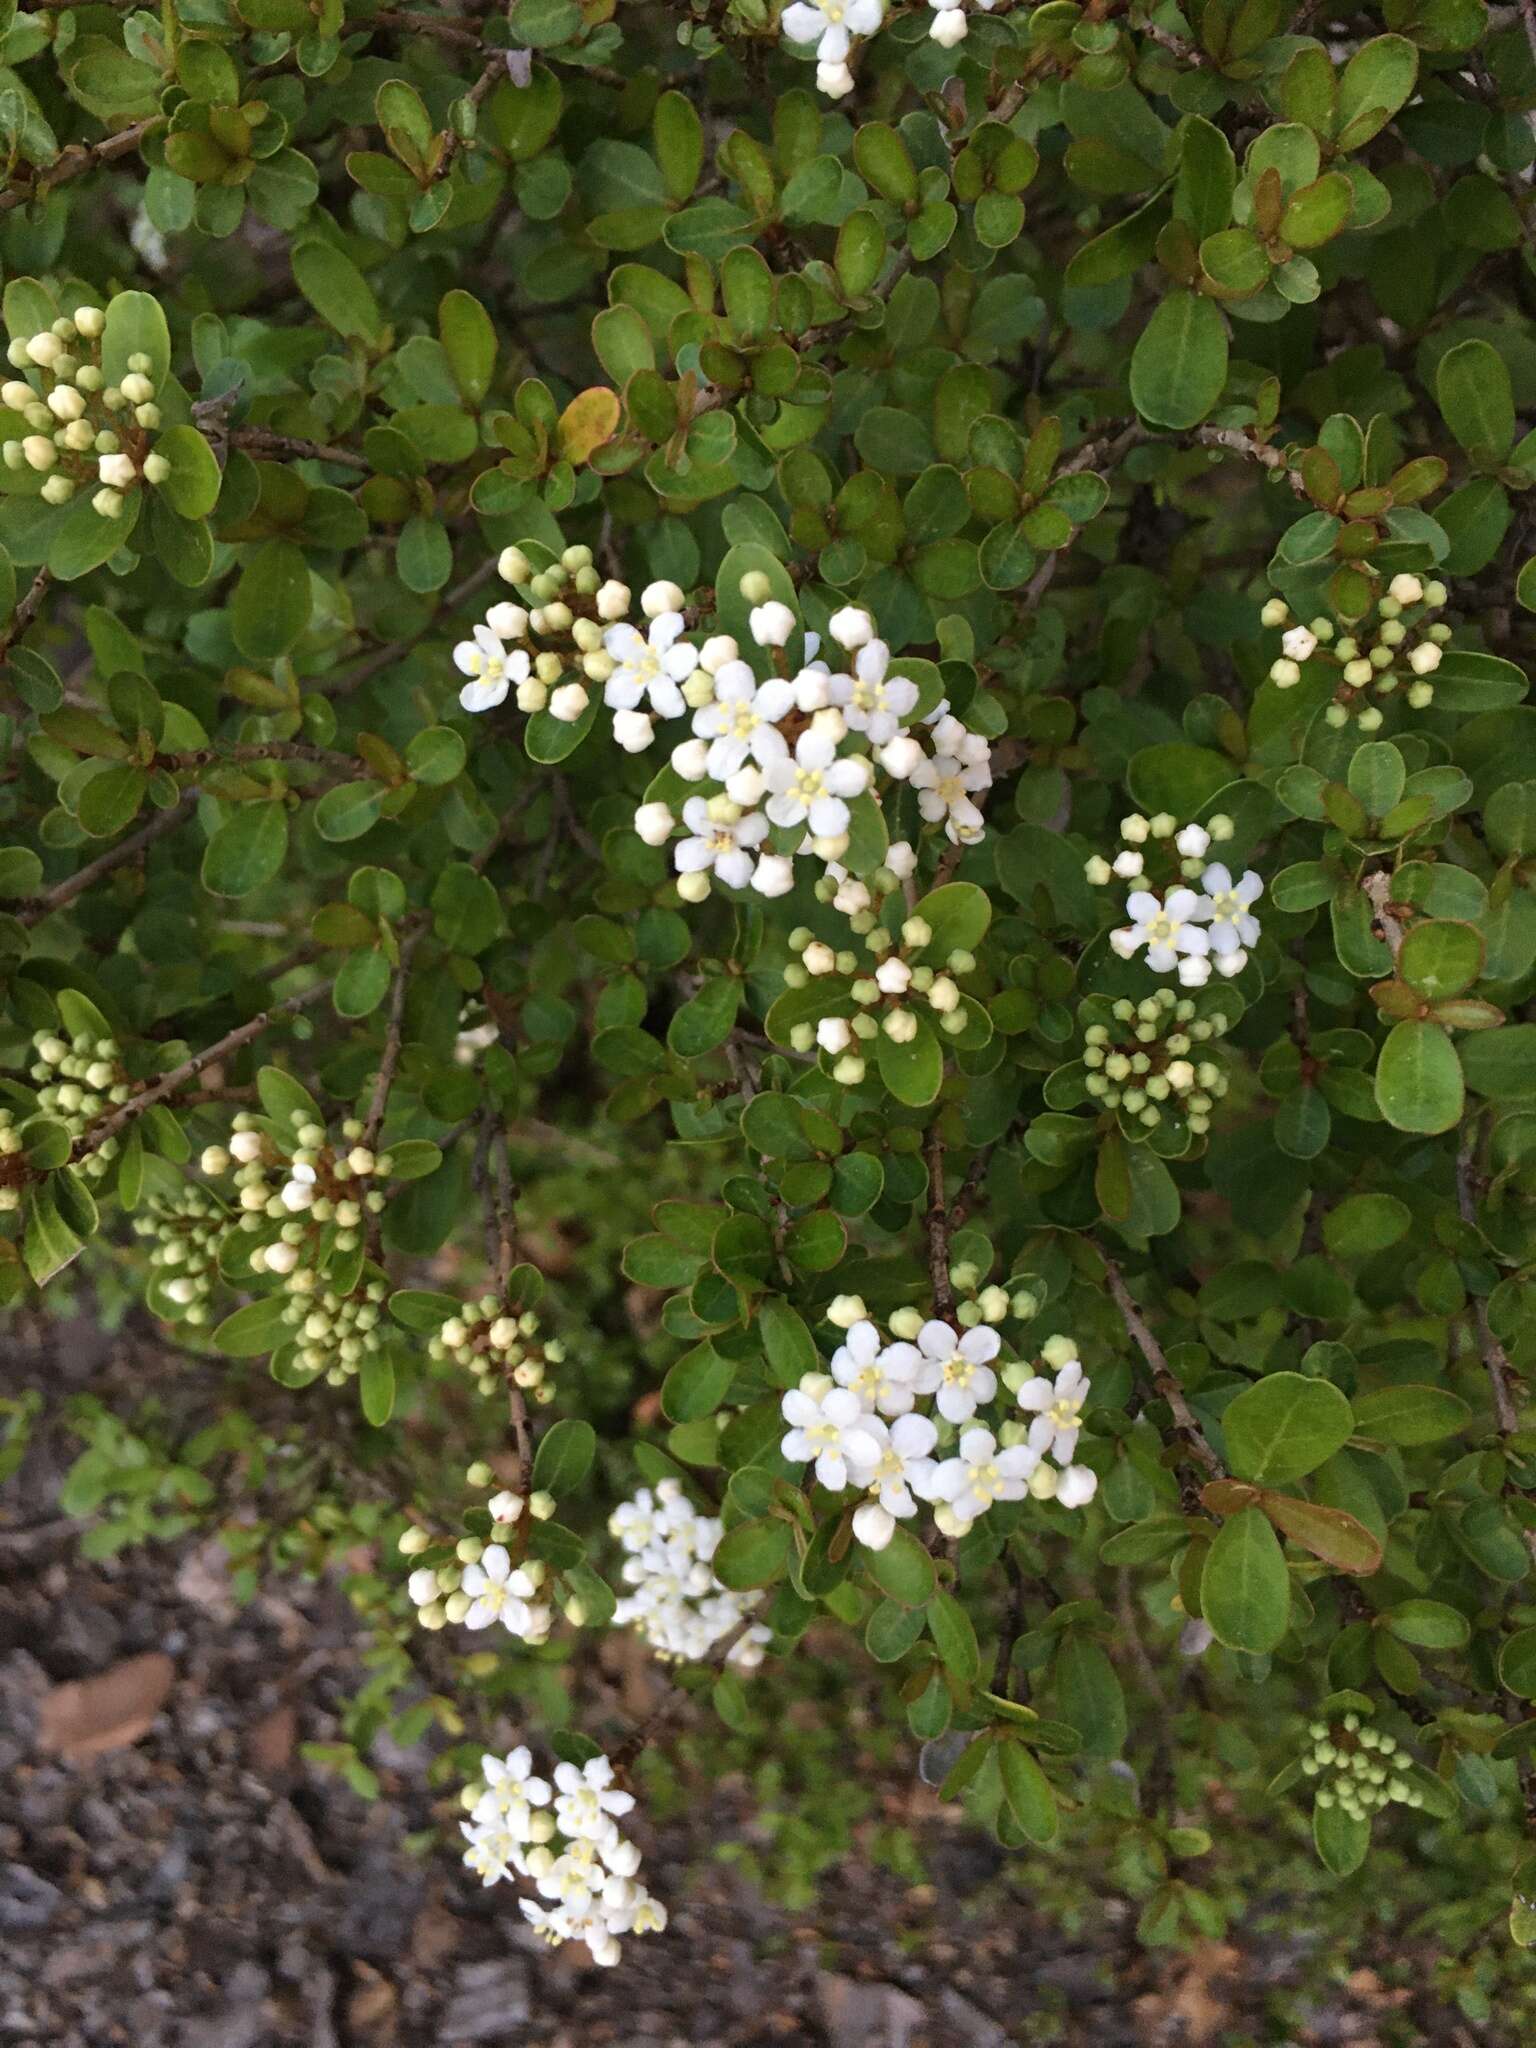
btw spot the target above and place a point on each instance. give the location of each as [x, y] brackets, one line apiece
[83, 429]
[563, 1839]
[1185, 930]
[675, 1601]
[334, 1331]
[1144, 1061]
[784, 758]
[496, 1344]
[1357, 1768]
[473, 1583]
[859, 1425]
[1402, 650]
[318, 1183]
[570, 609]
[185, 1231]
[881, 991]
[82, 1077]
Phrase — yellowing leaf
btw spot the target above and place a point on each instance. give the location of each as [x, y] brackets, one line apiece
[591, 418]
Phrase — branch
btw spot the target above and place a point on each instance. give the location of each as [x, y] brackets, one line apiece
[354, 679]
[78, 158]
[453, 141]
[266, 750]
[1237, 442]
[394, 1032]
[1379, 888]
[1163, 1377]
[96, 1134]
[27, 610]
[1495, 1357]
[648, 1729]
[937, 1224]
[262, 441]
[65, 892]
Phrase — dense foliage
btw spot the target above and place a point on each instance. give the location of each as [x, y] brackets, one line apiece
[784, 817]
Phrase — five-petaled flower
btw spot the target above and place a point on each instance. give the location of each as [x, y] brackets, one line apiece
[962, 1376]
[813, 788]
[829, 1424]
[1167, 930]
[723, 837]
[649, 666]
[1057, 1408]
[982, 1474]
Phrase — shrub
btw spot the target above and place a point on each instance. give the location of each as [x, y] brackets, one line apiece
[783, 819]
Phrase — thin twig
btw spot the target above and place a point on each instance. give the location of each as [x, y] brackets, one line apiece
[1495, 1357]
[394, 1032]
[96, 1134]
[65, 892]
[381, 658]
[262, 441]
[937, 1224]
[76, 159]
[1163, 1376]
[26, 611]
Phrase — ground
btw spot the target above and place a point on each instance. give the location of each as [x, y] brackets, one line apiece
[175, 1874]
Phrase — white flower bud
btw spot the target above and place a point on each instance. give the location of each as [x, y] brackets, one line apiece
[851, 627]
[57, 490]
[633, 730]
[136, 388]
[717, 650]
[657, 598]
[695, 887]
[44, 349]
[1425, 658]
[39, 452]
[117, 470]
[948, 27]
[771, 623]
[774, 875]
[654, 823]
[612, 601]
[513, 566]
[156, 469]
[844, 1310]
[898, 757]
[689, 759]
[1405, 589]
[568, 703]
[1275, 612]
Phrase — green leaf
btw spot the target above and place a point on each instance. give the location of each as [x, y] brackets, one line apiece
[706, 1019]
[1418, 1078]
[337, 290]
[1245, 1589]
[696, 1384]
[1411, 1414]
[376, 1387]
[247, 850]
[1473, 391]
[251, 1330]
[903, 1570]
[1440, 957]
[564, 1456]
[195, 479]
[954, 1637]
[1179, 364]
[135, 326]
[1284, 1426]
[271, 602]
[752, 1554]
[469, 342]
[1431, 1625]
[914, 1071]
[1027, 1791]
[1341, 1840]
[1363, 1224]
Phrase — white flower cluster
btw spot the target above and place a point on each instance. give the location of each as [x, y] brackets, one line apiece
[474, 1580]
[1184, 930]
[568, 605]
[676, 1602]
[81, 426]
[480, 1583]
[495, 1344]
[1367, 663]
[1146, 1069]
[564, 1839]
[1358, 1768]
[81, 1078]
[790, 753]
[185, 1231]
[319, 1183]
[829, 26]
[859, 1425]
[886, 991]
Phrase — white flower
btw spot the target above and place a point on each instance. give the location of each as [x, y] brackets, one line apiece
[492, 670]
[742, 722]
[511, 1792]
[654, 823]
[812, 787]
[496, 1591]
[871, 701]
[722, 843]
[904, 1468]
[1226, 908]
[587, 1799]
[945, 785]
[771, 624]
[982, 1474]
[829, 1424]
[881, 1375]
[649, 666]
[958, 1368]
[1164, 928]
[1057, 1408]
[831, 25]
